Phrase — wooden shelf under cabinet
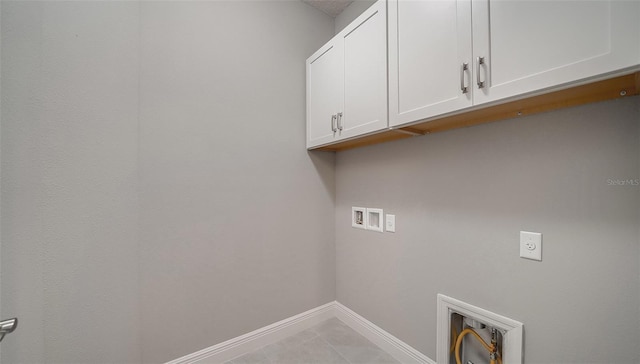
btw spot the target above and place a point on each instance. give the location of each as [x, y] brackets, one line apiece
[617, 87]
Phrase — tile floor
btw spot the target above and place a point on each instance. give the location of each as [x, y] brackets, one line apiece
[326, 343]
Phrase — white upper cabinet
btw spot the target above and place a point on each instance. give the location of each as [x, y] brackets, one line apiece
[324, 93]
[531, 45]
[511, 48]
[347, 81]
[430, 58]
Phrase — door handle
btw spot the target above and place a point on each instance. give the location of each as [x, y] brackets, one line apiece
[8, 326]
[340, 121]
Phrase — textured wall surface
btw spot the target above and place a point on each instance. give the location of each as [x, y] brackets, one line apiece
[157, 197]
[69, 181]
[461, 198]
[236, 217]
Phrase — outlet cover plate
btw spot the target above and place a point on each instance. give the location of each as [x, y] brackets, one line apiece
[531, 245]
[375, 220]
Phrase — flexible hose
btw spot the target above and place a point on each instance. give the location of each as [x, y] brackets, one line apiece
[454, 336]
[464, 332]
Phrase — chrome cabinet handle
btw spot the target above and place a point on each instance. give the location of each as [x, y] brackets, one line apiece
[333, 123]
[480, 62]
[339, 121]
[465, 89]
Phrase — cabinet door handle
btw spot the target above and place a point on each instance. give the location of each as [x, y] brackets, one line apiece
[480, 61]
[465, 89]
[333, 123]
[340, 121]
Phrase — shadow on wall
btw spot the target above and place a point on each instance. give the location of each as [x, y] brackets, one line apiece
[324, 163]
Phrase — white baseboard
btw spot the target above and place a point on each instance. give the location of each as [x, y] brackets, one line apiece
[389, 343]
[256, 339]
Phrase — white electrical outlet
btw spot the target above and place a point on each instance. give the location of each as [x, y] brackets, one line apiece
[531, 245]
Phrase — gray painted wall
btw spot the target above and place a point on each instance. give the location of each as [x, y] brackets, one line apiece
[461, 197]
[236, 217]
[157, 197]
[69, 189]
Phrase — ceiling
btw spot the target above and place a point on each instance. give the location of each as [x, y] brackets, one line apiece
[330, 7]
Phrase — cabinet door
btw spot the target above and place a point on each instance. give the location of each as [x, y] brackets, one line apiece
[324, 93]
[531, 45]
[365, 73]
[429, 42]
